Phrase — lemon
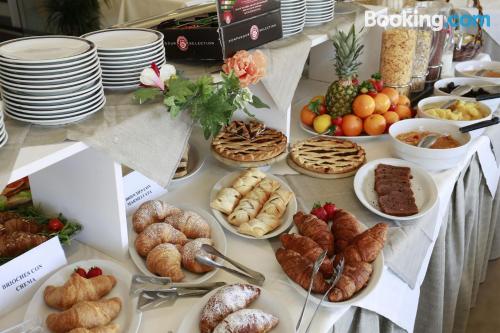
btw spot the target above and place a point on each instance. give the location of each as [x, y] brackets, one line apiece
[322, 123]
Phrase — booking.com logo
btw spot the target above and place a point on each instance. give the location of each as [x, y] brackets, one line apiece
[436, 22]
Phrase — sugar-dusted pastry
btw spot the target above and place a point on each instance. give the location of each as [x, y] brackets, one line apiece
[165, 261]
[111, 328]
[247, 320]
[78, 289]
[225, 301]
[156, 234]
[86, 314]
[226, 200]
[189, 253]
[18, 242]
[150, 212]
[247, 181]
[190, 224]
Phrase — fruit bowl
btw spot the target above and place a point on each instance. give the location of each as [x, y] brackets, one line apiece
[359, 138]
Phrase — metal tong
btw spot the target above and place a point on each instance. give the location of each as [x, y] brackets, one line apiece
[244, 272]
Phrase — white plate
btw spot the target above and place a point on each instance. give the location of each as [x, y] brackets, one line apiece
[195, 162]
[267, 302]
[48, 68]
[423, 186]
[217, 235]
[118, 57]
[129, 69]
[78, 86]
[129, 317]
[121, 88]
[359, 138]
[286, 220]
[124, 39]
[52, 99]
[45, 49]
[126, 53]
[36, 73]
[134, 63]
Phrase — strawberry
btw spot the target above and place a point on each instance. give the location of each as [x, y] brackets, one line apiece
[336, 130]
[319, 212]
[55, 225]
[392, 107]
[80, 271]
[330, 209]
[367, 87]
[355, 81]
[337, 121]
[93, 272]
[377, 82]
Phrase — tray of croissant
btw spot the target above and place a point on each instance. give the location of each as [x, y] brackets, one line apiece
[347, 238]
[253, 204]
[238, 308]
[164, 240]
[87, 296]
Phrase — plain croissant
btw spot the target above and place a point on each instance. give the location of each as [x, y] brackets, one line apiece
[366, 246]
[316, 229]
[78, 289]
[165, 261]
[354, 277]
[86, 314]
[345, 227]
[112, 328]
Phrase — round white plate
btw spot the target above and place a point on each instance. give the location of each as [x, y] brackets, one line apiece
[78, 86]
[135, 74]
[359, 138]
[130, 69]
[129, 317]
[267, 302]
[47, 70]
[45, 49]
[121, 88]
[286, 219]
[124, 39]
[50, 76]
[144, 62]
[118, 57]
[217, 235]
[49, 67]
[52, 99]
[423, 186]
[126, 53]
[195, 162]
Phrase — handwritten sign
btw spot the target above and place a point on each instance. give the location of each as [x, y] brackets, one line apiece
[22, 276]
[138, 189]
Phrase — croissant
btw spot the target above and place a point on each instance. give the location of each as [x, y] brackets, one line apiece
[150, 212]
[112, 328]
[189, 252]
[165, 260]
[345, 227]
[156, 234]
[316, 229]
[225, 301]
[308, 249]
[190, 224]
[354, 278]
[247, 320]
[8, 215]
[246, 182]
[18, 242]
[86, 314]
[299, 270]
[366, 246]
[78, 289]
[22, 224]
[226, 200]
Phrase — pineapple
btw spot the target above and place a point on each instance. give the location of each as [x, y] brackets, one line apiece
[342, 92]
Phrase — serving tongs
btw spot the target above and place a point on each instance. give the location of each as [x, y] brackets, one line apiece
[142, 283]
[244, 272]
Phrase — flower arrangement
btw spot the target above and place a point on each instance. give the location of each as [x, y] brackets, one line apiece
[211, 103]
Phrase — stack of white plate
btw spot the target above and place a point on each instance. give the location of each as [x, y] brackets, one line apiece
[293, 16]
[50, 80]
[319, 12]
[124, 53]
[3, 131]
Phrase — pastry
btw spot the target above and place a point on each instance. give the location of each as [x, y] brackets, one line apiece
[189, 253]
[247, 181]
[249, 142]
[86, 314]
[18, 242]
[226, 200]
[354, 278]
[393, 187]
[78, 289]
[247, 321]
[190, 224]
[316, 229]
[8, 215]
[111, 328]
[345, 227]
[225, 301]
[328, 155]
[366, 246]
[165, 260]
[182, 168]
[22, 224]
[276, 205]
[156, 234]
[151, 212]
[308, 249]
[299, 269]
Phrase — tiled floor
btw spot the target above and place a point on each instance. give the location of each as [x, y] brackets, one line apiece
[485, 316]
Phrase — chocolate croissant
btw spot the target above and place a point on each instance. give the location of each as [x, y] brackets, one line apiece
[316, 229]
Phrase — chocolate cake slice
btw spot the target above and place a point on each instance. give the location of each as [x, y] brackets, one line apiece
[398, 204]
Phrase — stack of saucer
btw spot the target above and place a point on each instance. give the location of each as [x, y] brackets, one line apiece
[3, 131]
[319, 11]
[50, 80]
[124, 53]
[293, 16]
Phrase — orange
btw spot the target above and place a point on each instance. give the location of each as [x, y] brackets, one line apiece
[322, 123]
[363, 106]
[403, 112]
[403, 100]
[307, 116]
[352, 125]
[382, 103]
[375, 124]
[392, 93]
[391, 117]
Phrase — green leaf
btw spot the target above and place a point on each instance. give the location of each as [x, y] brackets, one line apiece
[180, 88]
[205, 86]
[257, 103]
[213, 113]
[142, 95]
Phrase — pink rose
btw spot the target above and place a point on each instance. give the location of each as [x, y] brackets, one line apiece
[248, 67]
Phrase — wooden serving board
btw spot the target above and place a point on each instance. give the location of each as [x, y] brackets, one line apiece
[256, 164]
[310, 173]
